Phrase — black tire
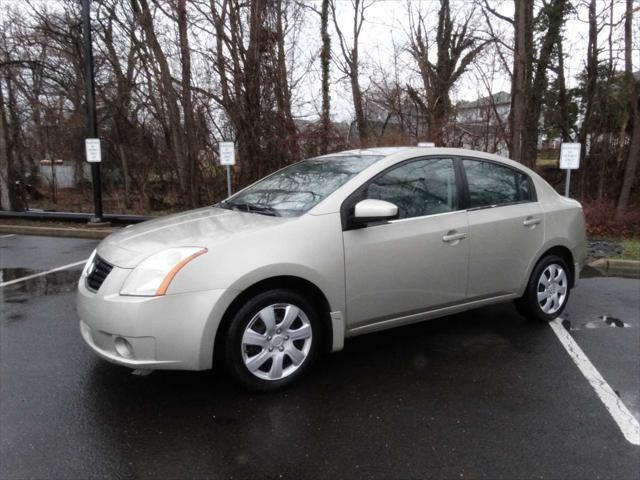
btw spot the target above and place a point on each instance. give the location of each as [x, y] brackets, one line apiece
[234, 350]
[528, 305]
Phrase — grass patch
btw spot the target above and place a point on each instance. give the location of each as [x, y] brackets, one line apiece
[631, 249]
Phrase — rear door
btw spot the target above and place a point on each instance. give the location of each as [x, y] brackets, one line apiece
[416, 262]
[506, 227]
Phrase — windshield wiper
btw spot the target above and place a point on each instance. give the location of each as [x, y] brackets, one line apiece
[250, 207]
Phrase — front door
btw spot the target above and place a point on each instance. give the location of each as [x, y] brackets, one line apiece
[417, 262]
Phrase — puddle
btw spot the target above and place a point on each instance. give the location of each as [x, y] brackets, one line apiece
[62, 281]
[8, 274]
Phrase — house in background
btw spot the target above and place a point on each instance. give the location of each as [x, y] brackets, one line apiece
[61, 174]
[481, 124]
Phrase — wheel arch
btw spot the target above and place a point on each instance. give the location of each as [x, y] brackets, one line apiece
[562, 251]
[291, 282]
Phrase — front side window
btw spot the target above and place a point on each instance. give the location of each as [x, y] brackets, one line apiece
[296, 189]
[419, 188]
[492, 184]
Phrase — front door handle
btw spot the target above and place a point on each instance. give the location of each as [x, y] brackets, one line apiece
[531, 221]
[451, 237]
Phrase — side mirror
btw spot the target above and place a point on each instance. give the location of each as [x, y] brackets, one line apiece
[371, 210]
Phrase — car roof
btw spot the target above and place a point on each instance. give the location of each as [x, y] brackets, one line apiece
[382, 151]
[388, 151]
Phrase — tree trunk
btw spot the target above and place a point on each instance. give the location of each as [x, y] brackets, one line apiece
[190, 147]
[634, 98]
[592, 79]
[361, 120]
[141, 9]
[325, 58]
[286, 126]
[554, 13]
[563, 101]
[521, 75]
[5, 159]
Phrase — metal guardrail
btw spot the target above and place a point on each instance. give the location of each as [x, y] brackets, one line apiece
[74, 217]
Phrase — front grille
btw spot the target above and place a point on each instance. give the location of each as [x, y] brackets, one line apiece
[99, 272]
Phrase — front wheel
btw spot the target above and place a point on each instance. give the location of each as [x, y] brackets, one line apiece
[548, 290]
[272, 340]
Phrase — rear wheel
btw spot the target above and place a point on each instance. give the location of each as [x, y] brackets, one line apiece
[548, 290]
[272, 340]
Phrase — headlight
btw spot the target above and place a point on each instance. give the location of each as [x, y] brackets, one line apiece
[153, 276]
[87, 266]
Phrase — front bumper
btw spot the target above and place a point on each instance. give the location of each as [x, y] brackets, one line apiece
[174, 331]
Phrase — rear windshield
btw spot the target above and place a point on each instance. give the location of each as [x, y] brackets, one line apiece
[296, 189]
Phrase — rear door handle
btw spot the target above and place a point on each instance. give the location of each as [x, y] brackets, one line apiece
[531, 221]
[451, 237]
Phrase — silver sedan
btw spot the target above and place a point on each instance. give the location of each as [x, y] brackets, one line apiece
[325, 249]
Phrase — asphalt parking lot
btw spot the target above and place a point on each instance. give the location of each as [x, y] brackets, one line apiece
[483, 394]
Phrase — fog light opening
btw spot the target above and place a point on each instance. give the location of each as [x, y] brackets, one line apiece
[123, 347]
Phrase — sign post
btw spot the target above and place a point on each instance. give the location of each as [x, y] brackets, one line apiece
[228, 158]
[92, 128]
[569, 160]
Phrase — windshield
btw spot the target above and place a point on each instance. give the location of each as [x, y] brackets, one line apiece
[296, 189]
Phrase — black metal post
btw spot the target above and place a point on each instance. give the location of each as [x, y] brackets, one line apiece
[90, 98]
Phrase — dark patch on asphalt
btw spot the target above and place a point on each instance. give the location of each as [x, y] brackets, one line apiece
[605, 322]
[62, 281]
[613, 322]
[9, 274]
[12, 299]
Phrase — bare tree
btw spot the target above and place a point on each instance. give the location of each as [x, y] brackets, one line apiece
[350, 62]
[553, 16]
[254, 88]
[590, 90]
[634, 97]
[456, 46]
[537, 35]
[5, 158]
[167, 91]
[520, 81]
[325, 60]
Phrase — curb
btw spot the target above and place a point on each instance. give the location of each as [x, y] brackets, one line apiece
[97, 233]
[617, 267]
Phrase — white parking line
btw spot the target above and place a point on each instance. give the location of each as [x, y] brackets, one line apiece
[8, 236]
[35, 275]
[622, 416]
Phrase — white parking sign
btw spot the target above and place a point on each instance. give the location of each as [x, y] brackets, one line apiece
[227, 153]
[570, 156]
[92, 149]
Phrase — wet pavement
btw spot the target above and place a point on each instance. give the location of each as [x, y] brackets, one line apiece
[483, 394]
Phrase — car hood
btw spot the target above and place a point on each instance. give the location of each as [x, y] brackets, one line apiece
[204, 227]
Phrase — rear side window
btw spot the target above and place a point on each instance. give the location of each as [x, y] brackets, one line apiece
[493, 184]
[418, 188]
